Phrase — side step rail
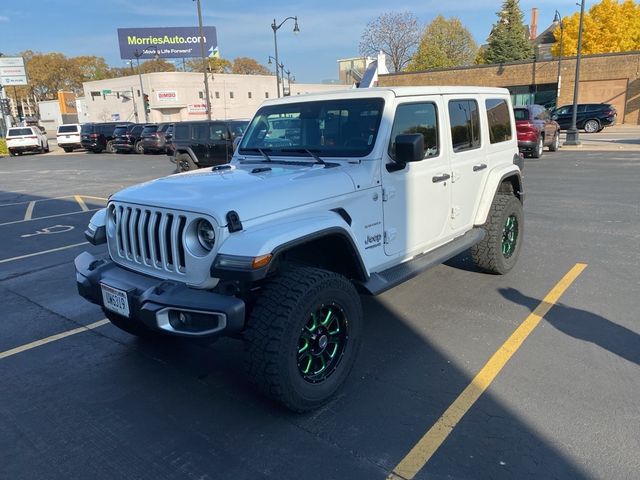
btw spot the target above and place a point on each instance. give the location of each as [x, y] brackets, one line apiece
[381, 281]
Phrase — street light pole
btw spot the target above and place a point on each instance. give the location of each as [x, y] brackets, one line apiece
[573, 138]
[204, 61]
[138, 55]
[558, 18]
[280, 67]
[275, 27]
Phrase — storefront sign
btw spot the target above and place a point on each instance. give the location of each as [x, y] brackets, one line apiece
[167, 96]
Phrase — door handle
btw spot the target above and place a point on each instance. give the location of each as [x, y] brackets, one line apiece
[480, 166]
[441, 178]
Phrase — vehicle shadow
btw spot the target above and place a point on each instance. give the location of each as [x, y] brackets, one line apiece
[585, 326]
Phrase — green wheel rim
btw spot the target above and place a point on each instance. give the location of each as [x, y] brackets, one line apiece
[322, 342]
[509, 235]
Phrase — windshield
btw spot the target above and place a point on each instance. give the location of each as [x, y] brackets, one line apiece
[120, 130]
[331, 128]
[67, 129]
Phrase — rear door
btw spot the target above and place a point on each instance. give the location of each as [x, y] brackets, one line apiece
[199, 141]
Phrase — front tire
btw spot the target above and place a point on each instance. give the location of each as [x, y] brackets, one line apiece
[110, 147]
[555, 144]
[139, 149]
[499, 250]
[591, 126]
[303, 337]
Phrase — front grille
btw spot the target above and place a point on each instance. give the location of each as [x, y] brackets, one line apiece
[150, 238]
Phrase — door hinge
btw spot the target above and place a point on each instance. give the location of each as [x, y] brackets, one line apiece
[389, 235]
[455, 211]
[388, 193]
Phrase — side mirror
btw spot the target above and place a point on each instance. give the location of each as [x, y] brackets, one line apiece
[409, 148]
[554, 117]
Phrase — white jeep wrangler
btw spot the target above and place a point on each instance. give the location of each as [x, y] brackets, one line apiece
[328, 196]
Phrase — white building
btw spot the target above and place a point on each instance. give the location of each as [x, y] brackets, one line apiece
[179, 96]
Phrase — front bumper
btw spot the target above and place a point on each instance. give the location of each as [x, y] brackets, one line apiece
[159, 304]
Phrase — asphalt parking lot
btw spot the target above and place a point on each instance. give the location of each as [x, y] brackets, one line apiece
[561, 402]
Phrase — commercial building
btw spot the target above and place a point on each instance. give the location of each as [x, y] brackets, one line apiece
[179, 96]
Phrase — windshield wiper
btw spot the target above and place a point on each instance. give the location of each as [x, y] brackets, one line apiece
[261, 151]
[311, 153]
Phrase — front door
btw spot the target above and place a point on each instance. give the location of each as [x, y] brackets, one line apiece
[219, 149]
[416, 198]
[199, 142]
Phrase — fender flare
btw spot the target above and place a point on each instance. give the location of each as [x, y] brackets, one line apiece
[494, 180]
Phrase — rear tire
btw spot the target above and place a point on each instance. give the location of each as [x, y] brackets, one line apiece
[138, 148]
[303, 336]
[47, 149]
[110, 147]
[537, 152]
[555, 144]
[185, 163]
[591, 126]
[498, 252]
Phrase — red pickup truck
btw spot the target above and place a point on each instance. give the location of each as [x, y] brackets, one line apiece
[536, 130]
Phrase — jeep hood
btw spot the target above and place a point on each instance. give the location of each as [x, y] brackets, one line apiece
[243, 188]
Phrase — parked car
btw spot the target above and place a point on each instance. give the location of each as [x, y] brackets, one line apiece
[26, 139]
[205, 143]
[96, 137]
[536, 130]
[591, 117]
[127, 138]
[154, 137]
[68, 136]
[366, 190]
[168, 138]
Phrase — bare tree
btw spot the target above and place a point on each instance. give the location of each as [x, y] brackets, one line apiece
[397, 34]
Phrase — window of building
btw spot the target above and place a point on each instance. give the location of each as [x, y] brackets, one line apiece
[200, 94]
[230, 94]
[499, 120]
[217, 94]
[266, 94]
[416, 118]
[465, 125]
[249, 94]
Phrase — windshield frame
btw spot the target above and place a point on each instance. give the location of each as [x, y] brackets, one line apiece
[351, 125]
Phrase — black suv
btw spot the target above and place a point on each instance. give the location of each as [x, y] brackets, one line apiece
[591, 117]
[205, 143]
[128, 138]
[96, 137]
[154, 137]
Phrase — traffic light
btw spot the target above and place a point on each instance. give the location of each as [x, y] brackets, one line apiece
[145, 100]
[5, 107]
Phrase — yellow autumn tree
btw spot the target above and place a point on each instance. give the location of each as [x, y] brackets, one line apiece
[609, 26]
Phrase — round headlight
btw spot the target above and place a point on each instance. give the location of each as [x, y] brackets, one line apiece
[206, 234]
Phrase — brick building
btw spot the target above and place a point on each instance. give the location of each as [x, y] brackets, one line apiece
[604, 78]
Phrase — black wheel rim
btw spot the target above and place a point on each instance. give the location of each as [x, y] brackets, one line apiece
[322, 342]
[509, 236]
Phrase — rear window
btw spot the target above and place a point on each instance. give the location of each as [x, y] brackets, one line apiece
[16, 132]
[87, 129]
[521, 113]
[68, 129]
[120, 130]
[149, 129]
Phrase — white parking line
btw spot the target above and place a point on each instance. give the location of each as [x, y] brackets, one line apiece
[52, 338]
[13, 259]
[29, 213]
[49, 216]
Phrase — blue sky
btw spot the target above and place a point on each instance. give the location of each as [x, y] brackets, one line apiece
[329, 29]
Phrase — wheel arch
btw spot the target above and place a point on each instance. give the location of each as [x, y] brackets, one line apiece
[506, 180]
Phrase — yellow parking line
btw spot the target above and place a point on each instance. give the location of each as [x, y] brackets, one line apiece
[49, 216]
[52, 338]
[29, 213]
[13, 259]
[80, 201]
[437, 434]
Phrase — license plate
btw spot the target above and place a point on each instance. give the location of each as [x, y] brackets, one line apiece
[115, 300]
[67, 136]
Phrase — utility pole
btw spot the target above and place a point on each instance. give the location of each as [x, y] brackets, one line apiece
[204, 61]
[135, 107]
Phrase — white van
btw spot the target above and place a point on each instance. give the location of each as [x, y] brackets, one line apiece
[26, 139]
[68, 136]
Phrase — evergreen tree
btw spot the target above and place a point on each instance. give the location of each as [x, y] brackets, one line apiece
[508, 40]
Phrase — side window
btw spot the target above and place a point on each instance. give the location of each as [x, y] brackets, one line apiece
[217, 131]
[499, 120]
[416, 118]
[465, 125]
[199, 131]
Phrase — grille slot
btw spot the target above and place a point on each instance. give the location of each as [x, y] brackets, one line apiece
[150, 238]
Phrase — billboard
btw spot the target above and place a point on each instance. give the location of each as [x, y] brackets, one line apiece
[166, 42]
[12, 71]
